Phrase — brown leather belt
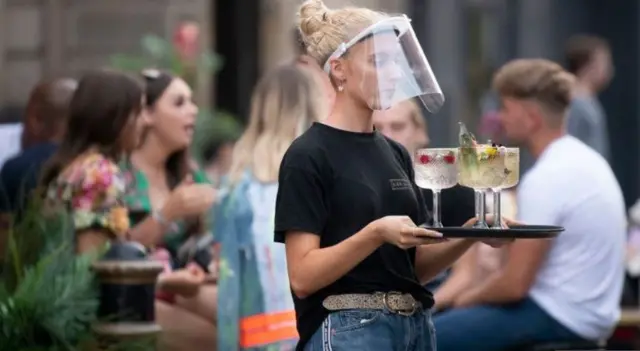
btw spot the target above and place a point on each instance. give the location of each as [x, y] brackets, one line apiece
[396, 302]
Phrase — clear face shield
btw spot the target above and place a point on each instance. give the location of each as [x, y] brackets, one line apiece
[389, 66]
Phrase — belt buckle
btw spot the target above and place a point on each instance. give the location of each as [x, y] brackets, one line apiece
[406, 313]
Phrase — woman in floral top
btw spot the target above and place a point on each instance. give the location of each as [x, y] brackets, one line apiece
[256, 307]
[84, 177]
[161, 165]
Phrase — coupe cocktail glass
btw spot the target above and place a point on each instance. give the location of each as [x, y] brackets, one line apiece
[436, 169]
[481, 167]
[512, 170]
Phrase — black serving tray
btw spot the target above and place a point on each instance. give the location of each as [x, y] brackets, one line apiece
[513, 232]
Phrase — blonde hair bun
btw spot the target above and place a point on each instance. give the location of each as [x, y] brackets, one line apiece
[312, 15]
[323, 29]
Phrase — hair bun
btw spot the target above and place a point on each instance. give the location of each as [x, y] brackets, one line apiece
[312, 14]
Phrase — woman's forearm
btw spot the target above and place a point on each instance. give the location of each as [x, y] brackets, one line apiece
[321, 267]
[433, 259]
[149, 232]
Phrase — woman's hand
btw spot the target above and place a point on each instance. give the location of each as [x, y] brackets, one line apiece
[494, 242]
[185, 282]
[403, 233]
[188, 200]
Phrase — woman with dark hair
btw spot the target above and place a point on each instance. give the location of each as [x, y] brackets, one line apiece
[159, 166]
[83, 175]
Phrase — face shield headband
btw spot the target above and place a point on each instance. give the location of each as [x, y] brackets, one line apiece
[392, 66]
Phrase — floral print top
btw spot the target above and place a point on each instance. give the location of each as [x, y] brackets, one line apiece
[92, 189]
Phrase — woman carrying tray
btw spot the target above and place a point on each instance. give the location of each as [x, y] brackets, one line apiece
[347, 205]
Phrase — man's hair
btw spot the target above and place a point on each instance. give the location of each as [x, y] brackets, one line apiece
[580, 49]
[542, 81]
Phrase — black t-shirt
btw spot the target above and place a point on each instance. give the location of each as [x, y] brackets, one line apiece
[333, 183]
[19, 176]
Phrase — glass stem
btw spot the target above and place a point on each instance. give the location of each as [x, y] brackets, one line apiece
[481, 211]
[437, 222]
[477, 198]
[497, 209]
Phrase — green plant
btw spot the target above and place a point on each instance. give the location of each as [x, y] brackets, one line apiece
[211, 129]
[48, 294]
[161, 53]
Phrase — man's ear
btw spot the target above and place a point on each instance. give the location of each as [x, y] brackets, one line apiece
[537, 112]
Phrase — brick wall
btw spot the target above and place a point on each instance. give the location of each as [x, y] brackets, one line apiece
[279, 17]
[48, 38]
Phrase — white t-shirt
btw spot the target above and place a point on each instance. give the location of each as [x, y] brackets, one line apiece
[10, 135]
[580, 282]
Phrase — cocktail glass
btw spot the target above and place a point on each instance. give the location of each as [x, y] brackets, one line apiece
[481, 167]
[512, 170]
[436, 169]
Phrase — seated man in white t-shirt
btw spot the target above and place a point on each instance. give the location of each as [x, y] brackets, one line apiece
[564, 289]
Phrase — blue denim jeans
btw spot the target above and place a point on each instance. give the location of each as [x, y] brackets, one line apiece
[374, 330]
[498, 327]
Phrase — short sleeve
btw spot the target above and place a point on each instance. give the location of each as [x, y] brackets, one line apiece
[96, 195]
[301, 200]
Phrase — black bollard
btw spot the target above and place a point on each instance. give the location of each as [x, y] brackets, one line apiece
[127, 279]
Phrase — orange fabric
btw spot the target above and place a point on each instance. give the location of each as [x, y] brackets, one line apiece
[267, 328]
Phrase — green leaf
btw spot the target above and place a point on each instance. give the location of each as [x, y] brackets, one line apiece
[156, 47]
[175, 65]
[210, 62]
[213, 128]
[128, 63]
[54, 302]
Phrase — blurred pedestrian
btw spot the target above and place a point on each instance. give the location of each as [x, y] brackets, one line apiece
[256, 309]
[44, 126]
[589, 59]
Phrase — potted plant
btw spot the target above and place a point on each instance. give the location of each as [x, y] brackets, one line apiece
[49, 296]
